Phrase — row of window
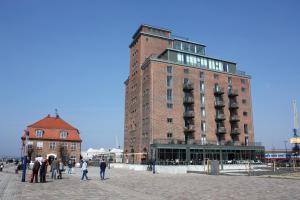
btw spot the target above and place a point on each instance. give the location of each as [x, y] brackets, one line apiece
[52, 145]
[202, 62]
[192, 48]
[39, 133]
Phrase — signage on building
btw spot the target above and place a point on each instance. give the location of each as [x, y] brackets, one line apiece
[295, 140]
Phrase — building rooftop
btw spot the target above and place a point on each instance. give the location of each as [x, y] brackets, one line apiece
[52, 123]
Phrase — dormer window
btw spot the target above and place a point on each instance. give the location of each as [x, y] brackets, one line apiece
[39, 133]
[63, 134]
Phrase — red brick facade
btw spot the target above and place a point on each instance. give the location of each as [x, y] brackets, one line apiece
[148, 120]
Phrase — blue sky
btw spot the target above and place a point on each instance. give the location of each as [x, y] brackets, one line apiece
[74, 56]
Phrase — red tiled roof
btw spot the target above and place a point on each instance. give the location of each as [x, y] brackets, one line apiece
[52, 127]
[52, 123]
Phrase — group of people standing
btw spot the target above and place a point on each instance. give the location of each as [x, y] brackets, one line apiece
[57, 167]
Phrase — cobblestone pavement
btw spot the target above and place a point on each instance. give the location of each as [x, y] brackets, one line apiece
[126, 184]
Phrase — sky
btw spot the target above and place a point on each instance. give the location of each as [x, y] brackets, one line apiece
[74, 56]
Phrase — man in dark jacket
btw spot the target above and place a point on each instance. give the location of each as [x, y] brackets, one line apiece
[43, 171]
[102, 169]
[35, 171]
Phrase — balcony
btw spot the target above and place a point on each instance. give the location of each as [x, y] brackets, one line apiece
[232, 93]
[235, 131]
[220, 117]
[189, 128]
[221, 130]
[234, 118]
[233, 105]
[187, 87]
[188, 100]
[218, 91]
[189, 114]
[219, 104]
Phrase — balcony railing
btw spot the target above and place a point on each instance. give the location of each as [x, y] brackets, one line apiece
[189, 113]
[220, 117]
[190, 128]
[188, 86]
[234, 118]
[188, 100]
[235, 131]
[232, 93]
[233, 105]
[218, 91]
[219, 103]
[221, 130]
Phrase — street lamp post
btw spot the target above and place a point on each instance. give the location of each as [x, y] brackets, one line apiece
[24, 158]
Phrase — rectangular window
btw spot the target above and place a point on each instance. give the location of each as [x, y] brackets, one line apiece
[202, 75]
[180, 58]
[216, 76]
[73, 146]
[245, 128]
[169, 105]
[169, 69]
[169, 81]
[186, 71]
[203, 112]
[52, 145]
[243, 81]
[170, 120]
[169, 135]
[202, 99]
[245, 114]
[243, 89]
[203, 62]
[202, 86]
[244, 101]
[229, 81]
[203, 127]
[39, 145]
[169, 94]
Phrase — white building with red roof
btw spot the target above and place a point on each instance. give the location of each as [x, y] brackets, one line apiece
[52, 137]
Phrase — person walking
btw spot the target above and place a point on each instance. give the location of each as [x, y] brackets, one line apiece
[54, 167]
[35, 171]
[43, 170]
[70, 165]
[84, 170]
[102, 169]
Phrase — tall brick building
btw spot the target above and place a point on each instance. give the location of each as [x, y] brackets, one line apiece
[183, 105]
[52, 137]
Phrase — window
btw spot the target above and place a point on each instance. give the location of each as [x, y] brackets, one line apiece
[169, 105]
[243, 81]
[243, 89]
[169, 135]
[216, 76]
[246, 128]
[203, 127]
[39, 133]
[202, 99]
[169, 94]
[229, 81]
[186, 71]
[73, 146]
[169, 81]
[52, 145]
[244, 101]
[64, 145]
[63, 134]
[202, 112]
[245, 114]
[180, 58]
[186, 80]
[201, 75]
[203, 62]
[170, 120]
[169, 69]
[39, 145]
[202, 86]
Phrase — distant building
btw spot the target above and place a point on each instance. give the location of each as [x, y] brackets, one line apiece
[182, 104]
[52, 137]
